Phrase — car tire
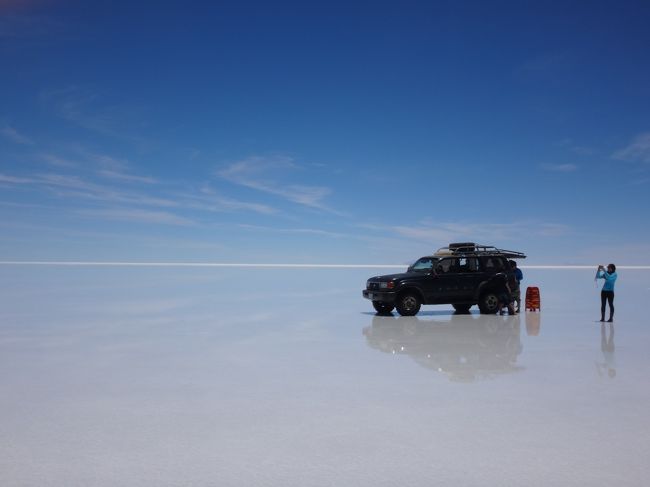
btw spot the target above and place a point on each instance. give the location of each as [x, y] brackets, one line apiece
[408, 304]
[489, 303]
[462, 308]
[382, 308]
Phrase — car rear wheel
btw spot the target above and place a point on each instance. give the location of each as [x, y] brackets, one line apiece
[382, 308]
[462, 308]
[408, 304]
[489, 303]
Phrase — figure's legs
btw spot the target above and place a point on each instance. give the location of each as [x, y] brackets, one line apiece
[603, 300]
[610, 300]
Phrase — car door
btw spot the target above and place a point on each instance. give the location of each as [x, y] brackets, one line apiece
[467, 278]
[443, 284]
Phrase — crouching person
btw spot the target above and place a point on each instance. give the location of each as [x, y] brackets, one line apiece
[516, 290]
[505, 294]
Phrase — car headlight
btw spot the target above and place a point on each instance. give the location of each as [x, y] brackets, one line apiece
[387, 285]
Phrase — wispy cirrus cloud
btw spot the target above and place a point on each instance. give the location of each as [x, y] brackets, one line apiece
[126, 177]
[298, 231]
[636, 151]
[66, 185]
[138, 216]
[5, 178]
[106, 166]
[77, 188]
[57, 161]
[117, 169]
[94, 112]
[582, 150]
[12, 134]
[559, 167]
[476, 232]
[206, 199]
[260, 173]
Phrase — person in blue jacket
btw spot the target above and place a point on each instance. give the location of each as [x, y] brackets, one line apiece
[607, 294]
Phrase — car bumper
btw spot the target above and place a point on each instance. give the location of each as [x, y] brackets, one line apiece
[381, 296]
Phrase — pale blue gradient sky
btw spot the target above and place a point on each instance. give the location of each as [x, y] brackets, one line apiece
[342, 132]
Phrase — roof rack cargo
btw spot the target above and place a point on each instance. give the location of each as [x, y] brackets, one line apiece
[470, 248]
[463, 245]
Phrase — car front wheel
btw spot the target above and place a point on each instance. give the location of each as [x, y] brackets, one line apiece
[408, 304]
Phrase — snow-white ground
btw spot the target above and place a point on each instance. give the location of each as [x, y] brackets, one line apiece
[285, 377]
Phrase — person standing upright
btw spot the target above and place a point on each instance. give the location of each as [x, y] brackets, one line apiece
[607, 293]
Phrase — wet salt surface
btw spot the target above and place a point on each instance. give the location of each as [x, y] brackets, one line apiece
[286, 377]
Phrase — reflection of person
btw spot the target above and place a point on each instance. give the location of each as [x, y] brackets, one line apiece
[607, 347]
[607, 293]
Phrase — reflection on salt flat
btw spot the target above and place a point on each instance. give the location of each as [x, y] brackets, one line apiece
[533, 323]
[465, 348]
[606, 367]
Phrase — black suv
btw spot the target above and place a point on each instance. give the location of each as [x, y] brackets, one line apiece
[462, 274]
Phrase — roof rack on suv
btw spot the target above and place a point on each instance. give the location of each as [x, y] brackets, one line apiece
[470, 248]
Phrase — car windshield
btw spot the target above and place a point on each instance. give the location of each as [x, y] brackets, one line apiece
[424, 264]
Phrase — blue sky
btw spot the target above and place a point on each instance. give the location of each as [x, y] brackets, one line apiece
[339, 132]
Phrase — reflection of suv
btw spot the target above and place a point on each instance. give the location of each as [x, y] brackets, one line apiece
[462, 274]
[466, 348]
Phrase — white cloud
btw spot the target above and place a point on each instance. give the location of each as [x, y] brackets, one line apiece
[584, 151]
[116, 169]
[15, 180]
[482, 233]
[15, 136]
[560, 167]
[637, 150]
[550, 229]
[92, 111]
[126, 177]
[581, 150]
[66, 185]
[57, 161]
[305, 231]
[138, 215]
[259, 173]
[208, 200]
[74, 187]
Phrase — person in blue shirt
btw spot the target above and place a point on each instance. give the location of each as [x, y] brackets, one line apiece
[516, 293]
[607, 294]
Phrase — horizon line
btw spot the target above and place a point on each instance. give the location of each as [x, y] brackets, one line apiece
[270, 265]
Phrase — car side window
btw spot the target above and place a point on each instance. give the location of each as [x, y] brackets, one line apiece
[492, 264]
[423, 265]
[468, 264]
[446, 266]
